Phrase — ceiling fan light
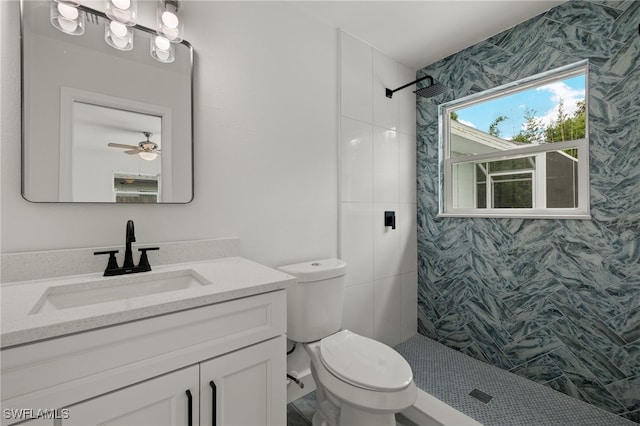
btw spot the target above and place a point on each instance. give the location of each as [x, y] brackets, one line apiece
[149, 156]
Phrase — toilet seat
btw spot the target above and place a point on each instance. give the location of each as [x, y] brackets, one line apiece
[364, 362]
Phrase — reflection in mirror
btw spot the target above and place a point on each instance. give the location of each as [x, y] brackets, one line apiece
[518, 150]
[101, 124]
[104, 143]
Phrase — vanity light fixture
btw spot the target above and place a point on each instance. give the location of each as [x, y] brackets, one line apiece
[118, 35]
[124, 11]
[162, 50]
[67, 17]
[168, 20]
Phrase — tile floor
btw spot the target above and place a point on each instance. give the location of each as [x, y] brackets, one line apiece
[450, 376]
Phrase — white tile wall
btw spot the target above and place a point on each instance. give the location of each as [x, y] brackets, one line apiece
[406, 102]
[385, 75]
[357, 242]
[356, 160]
[409, 303]
[356, 79]
[358, 311]
[388, 310]
[386, 242]
[378, 161]
[385, 165]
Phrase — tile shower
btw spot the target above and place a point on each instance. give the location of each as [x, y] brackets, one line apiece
[554, 301]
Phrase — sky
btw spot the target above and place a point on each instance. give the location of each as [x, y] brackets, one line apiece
[543, 100]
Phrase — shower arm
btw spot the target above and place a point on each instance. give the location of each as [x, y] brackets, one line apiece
[390, 92]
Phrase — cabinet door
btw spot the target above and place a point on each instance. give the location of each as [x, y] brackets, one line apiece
[157, 402]
[250, 387]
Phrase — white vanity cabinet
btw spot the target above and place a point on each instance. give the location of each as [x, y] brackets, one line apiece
[156, 402]
[240, 388]
[138, 373]
[245, 387]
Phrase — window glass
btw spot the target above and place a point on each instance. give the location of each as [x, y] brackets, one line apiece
[519, 149]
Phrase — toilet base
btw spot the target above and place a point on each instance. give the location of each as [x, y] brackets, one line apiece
[334, 411]
[330, 412]
[390, 420]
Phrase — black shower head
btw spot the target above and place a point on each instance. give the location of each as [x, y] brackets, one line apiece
[428, 91]
[432, 90]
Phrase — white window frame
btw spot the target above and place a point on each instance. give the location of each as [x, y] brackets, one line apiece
[447, 209]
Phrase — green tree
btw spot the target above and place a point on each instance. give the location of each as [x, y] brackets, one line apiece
[567, 128]
[533, 131]
[454, 116]
[493, 127]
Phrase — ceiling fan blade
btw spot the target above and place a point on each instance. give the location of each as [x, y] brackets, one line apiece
[133, 151]
[119, 145]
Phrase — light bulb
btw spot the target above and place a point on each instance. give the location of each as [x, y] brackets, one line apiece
[67, 26]
[66, 17]
[68, 12]
[162, 50]
[171, 33]
[118, 29]
[120, 42]
[124, 11]
[163, 55]
[162, 43]
[170, 19]
[122, 4]
[118, 35]
[149, 156]
[169, 23]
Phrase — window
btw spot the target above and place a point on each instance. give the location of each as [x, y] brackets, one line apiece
[519, 150]
[135, 188]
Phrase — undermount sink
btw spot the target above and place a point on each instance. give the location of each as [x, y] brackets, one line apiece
[107, 290]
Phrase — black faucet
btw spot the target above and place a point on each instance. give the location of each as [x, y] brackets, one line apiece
[130, 238]
[128, 267]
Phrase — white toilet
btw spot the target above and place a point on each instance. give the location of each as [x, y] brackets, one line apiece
[359, 381]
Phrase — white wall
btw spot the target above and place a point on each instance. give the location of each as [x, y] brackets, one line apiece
[378, 164]
[265, 142]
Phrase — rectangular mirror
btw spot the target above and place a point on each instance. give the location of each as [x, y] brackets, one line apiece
[99, 124]
[519, 150]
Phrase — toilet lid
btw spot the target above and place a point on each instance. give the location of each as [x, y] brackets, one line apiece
[364, 362]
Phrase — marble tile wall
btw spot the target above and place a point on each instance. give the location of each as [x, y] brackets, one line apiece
[555, 301]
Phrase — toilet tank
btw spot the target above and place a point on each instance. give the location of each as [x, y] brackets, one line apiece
[314, 303]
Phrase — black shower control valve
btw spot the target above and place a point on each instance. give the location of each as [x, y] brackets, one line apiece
[390, 219]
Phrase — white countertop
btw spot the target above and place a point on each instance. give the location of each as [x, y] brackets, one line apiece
[230, 278]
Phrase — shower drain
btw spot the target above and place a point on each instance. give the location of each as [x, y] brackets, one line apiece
[481, 396]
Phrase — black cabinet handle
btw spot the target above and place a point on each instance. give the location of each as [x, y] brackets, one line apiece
[213, 402]
[189, 408]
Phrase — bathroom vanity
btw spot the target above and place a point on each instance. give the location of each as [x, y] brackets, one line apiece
[197, 343]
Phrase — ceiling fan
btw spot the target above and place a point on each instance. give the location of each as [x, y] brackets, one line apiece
[148, 150]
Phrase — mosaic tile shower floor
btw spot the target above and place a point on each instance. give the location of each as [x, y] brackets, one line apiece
[450, 376]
